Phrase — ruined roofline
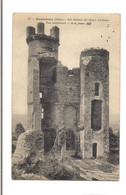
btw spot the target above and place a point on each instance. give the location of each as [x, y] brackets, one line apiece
[95, 49]
[61, 65]
[70, 72]
[96, 52]
[31, 35]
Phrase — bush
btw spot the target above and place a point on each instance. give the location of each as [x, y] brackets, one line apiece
[19, 129]
[51, 170]
[13, 148]
[113, 147]
[113, 140]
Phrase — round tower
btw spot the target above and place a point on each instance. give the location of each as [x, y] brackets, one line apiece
[42, 46]
[94, 102]
[42, 63]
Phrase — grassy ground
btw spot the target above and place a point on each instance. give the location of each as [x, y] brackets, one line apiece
[67, 169]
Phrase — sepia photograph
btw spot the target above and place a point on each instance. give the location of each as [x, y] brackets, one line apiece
[65, 97]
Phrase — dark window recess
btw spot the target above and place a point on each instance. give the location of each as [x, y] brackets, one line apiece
[49, 139]
[54, 76]
[70, 72]
[94, 150]
[97, 89]
[47, 74]
[87, 74]
[96, 115]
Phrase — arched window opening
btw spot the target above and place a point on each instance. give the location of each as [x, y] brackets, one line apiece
[42, 113]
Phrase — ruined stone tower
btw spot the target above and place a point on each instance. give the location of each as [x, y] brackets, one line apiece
[94, 103]
[42, 60]
[75, 100]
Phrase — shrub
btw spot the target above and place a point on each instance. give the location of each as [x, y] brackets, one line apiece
[19, 129]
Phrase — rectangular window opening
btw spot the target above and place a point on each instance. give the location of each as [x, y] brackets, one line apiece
[97, 89]
[94, 150]
[96, 115]
[42, 114]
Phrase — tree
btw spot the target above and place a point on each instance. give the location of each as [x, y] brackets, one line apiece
[113, 139]
[110, 132]
[19, 129]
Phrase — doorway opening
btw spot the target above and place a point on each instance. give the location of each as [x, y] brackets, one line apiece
[94, 150]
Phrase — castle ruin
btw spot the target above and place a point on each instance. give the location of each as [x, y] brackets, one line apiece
[76, 100]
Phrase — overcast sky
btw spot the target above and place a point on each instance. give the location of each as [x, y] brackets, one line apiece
[73, 39]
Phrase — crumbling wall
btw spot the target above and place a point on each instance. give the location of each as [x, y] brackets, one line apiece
[60, 96]
[61, 100]
[33, 99]
[68, 84]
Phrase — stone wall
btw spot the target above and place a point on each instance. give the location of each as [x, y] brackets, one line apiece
[33, 99]
[60, 97]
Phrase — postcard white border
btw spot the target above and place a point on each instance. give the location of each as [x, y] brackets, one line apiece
[58, 187]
